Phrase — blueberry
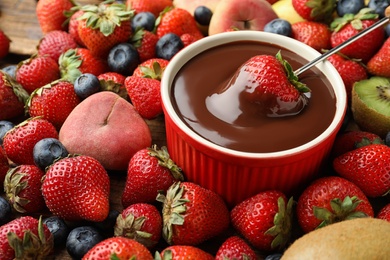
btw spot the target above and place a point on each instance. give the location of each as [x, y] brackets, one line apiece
[349, 6]
[4, 127]
[378, 6]
[10, 70]
[86, 84]
[5, 211]
[81, 239]
[144, 20]
[168, 45]
[275, 256]
[123, 58]
[279, 26]
[47, 150]
[58, 228]
[202, 15]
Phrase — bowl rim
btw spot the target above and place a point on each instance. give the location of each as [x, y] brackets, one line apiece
[226, 37]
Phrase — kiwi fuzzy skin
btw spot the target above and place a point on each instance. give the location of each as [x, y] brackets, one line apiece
[361, 238]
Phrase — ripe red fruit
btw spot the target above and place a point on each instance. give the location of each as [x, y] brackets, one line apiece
[367, 167]
[155, 7]
[150, 170]
[331, 199]
[235, 247]
[184, 252]
[314, 34]
[151, 68]
[145, 43]
[141, 222]
[77, 188]
[22, 186]
[36, 72]
[50, 14]
[4, 44]
[73, 27]
[113, 81]
[192, 214]
[54, 43]
[264, 220]
[378, 64]
[315, 10]
[4, 166]
[19, 142]
[384, 213]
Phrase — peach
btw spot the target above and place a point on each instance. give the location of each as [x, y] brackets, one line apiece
[106, 127]
[242, 15]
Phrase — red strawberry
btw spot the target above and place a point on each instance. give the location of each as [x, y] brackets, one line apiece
[350, 70]
[50, 14]
[183, 252]
[145, 95]
[178, 21]
[53, 102]
[36, 72]
[75, 62]
[235, 247]
[150, 170]
[141, 222]
[22, 186]
[145, 43]
[113, 81]
[378, 64]
[314, 34]
[54, 43]
[351, 140]
[25, 238]
[188, 38]
[155, 7]
[152, 68]
[73, 27]
[119, 248]
[12, 97]
[331, 199]
[192, 214]
[264, 220]
[19, 142]
[384, 212]
[315, 10]
[349, 25]
[4, 44]
[367, 167]
[77, 188]
[103, 26]
[4, 166]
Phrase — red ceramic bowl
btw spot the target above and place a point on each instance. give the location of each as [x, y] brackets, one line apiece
[237, 175]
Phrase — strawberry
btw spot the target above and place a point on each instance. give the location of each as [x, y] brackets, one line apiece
[315, 10]
[54, 43]
[103, 26]
[314, 34]
[155, 7]
[53, 102]
[367, 167]
[12, 97]
[378, 64]
[270, 84]
[4, 44]
[151, 68]
[119, 248]
[25, 238]
[51, 14]
[77, 188]
[22, 186]
[150, 170]
[384, 212]
[4, 166]
[178, 21]
[19, 142]
[351, 140]
[192, 214]
[145, 95]
[113, 81]
[328, 200]
[141, 222]
[145, 43]
[350, 70]
[73, 26]
[264, 220]
[235, 247]
[36, 72]
[188, 38]
[349, 25]
[75, 62]
[183, 252]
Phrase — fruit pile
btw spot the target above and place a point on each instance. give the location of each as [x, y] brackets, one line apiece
[75, 115]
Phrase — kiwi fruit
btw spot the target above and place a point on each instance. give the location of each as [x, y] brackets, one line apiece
[359, 238]
[370, 105]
